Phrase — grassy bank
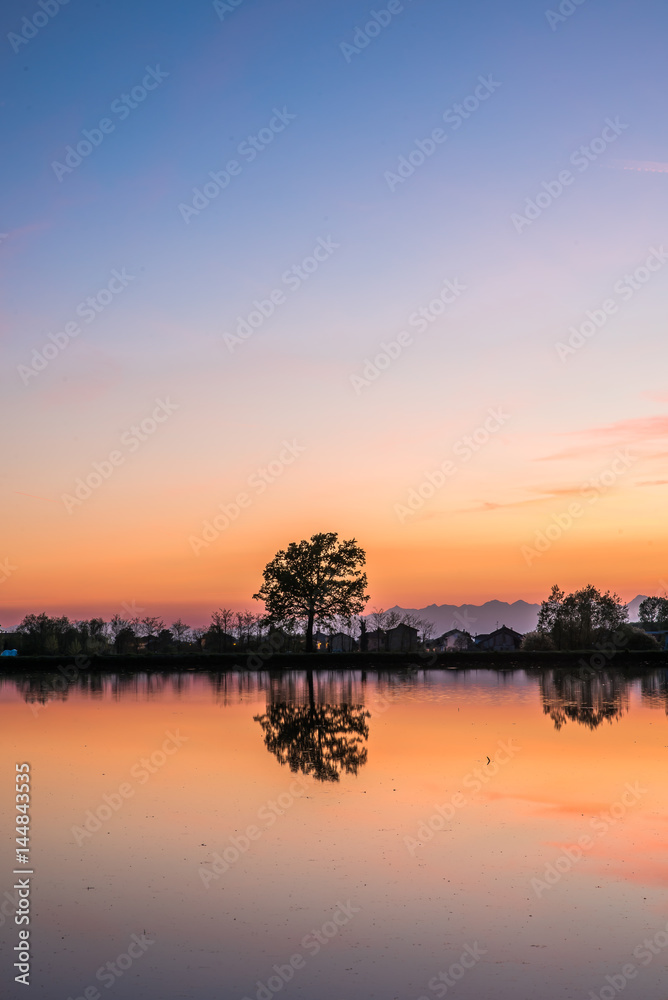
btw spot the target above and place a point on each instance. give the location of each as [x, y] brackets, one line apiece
[221, 662]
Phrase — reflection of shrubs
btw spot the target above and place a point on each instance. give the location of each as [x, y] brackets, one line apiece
[535, 642]
[629, 637]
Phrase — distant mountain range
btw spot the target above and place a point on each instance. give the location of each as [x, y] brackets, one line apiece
[477, 618]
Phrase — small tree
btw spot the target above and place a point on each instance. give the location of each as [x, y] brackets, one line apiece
[637, 639]
[653, 613]
[379, 619]
[149, 627]
[538, 642]
[44, 634]
[125, 640]
[580, 619]
[180, 632]
[314, 581]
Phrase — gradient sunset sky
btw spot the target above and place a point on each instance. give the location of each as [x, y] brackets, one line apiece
[577, 428]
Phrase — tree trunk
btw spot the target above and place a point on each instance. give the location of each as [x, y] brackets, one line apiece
[309, 632]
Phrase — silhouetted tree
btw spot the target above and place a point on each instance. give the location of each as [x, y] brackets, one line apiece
[219, 638]
[538, 642]
[313, 582]
[125, 640]
[581, 619]
[43, 634]
[653, 613]
[628, 637]
[379, 619]
[149, 627]
[180, 631]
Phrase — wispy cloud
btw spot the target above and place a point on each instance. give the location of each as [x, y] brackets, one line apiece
[636, 430]
[543, 495]
[644, 166]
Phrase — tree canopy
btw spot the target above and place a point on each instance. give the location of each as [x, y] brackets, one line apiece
[653, 613]
[314, 582]
[581, 619]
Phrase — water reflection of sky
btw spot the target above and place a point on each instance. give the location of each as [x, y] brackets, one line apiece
[419, 849]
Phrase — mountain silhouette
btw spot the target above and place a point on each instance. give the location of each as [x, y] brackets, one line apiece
[478, 618]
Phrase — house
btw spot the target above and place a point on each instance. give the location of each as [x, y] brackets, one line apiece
[401, 639]
[217, 642]
[501, 638]
[455, 639]
[340, 643]
[320, 640]
[376, 641]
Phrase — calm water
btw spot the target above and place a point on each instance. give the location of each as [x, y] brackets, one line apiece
[354, 837]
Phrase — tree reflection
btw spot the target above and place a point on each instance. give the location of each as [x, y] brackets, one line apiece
[587, 701]
[323, 740]
[654, 690]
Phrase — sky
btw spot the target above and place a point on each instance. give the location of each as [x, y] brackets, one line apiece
[272, 269]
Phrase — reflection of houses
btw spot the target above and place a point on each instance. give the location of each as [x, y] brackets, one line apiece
[400, 639]
[501, 638]
[455, 639]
